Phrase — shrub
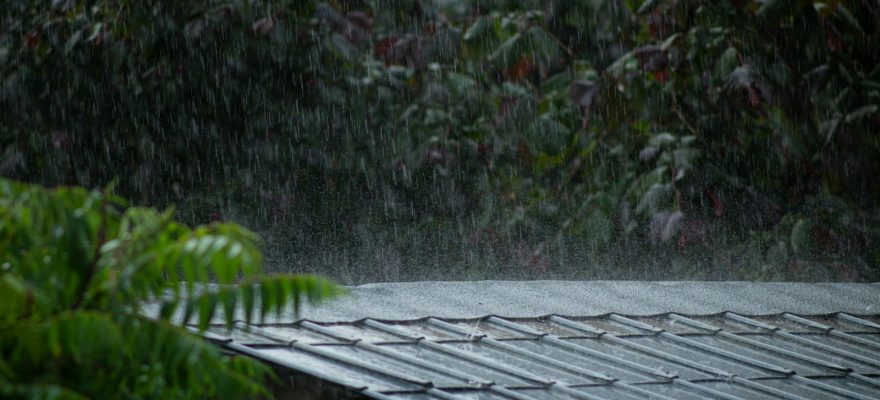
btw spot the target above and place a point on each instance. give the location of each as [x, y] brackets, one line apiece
[78, 268]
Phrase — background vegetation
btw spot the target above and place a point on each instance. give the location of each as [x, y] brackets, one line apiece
[466, 139]
[77, 269]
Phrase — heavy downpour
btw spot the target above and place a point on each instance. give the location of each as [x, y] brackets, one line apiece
[185, 169]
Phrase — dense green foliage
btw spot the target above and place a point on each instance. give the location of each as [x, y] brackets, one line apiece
[76, 268]
[471, 138]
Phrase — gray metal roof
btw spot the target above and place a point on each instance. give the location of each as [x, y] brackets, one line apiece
[668, 356]
[580, 340]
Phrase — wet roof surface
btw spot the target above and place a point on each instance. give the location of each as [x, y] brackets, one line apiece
[669, 356]
[414, 300]
[583, 340]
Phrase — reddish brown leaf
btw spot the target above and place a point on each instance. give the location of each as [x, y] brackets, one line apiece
[657, 24]
[523, 151]
[716, 202]
[662, 76]
[520, 70]
[32, 39]
[835, 43]
[383, 48]
[754, 97]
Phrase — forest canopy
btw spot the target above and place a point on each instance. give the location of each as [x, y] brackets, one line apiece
[462, 139]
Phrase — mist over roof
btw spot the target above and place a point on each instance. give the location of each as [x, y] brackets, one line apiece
[525, 299]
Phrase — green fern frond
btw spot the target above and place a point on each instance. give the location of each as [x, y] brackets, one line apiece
[76, 271]
[260, 296]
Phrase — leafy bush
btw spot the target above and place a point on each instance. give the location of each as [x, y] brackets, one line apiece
[523, 135]
[77, 269]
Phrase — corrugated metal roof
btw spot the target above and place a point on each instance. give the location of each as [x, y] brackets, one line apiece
[614, 356]
[580, 340]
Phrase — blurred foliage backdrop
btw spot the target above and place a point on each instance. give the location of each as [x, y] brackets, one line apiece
[470, 139]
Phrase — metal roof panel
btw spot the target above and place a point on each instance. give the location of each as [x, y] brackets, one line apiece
[674, 354]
